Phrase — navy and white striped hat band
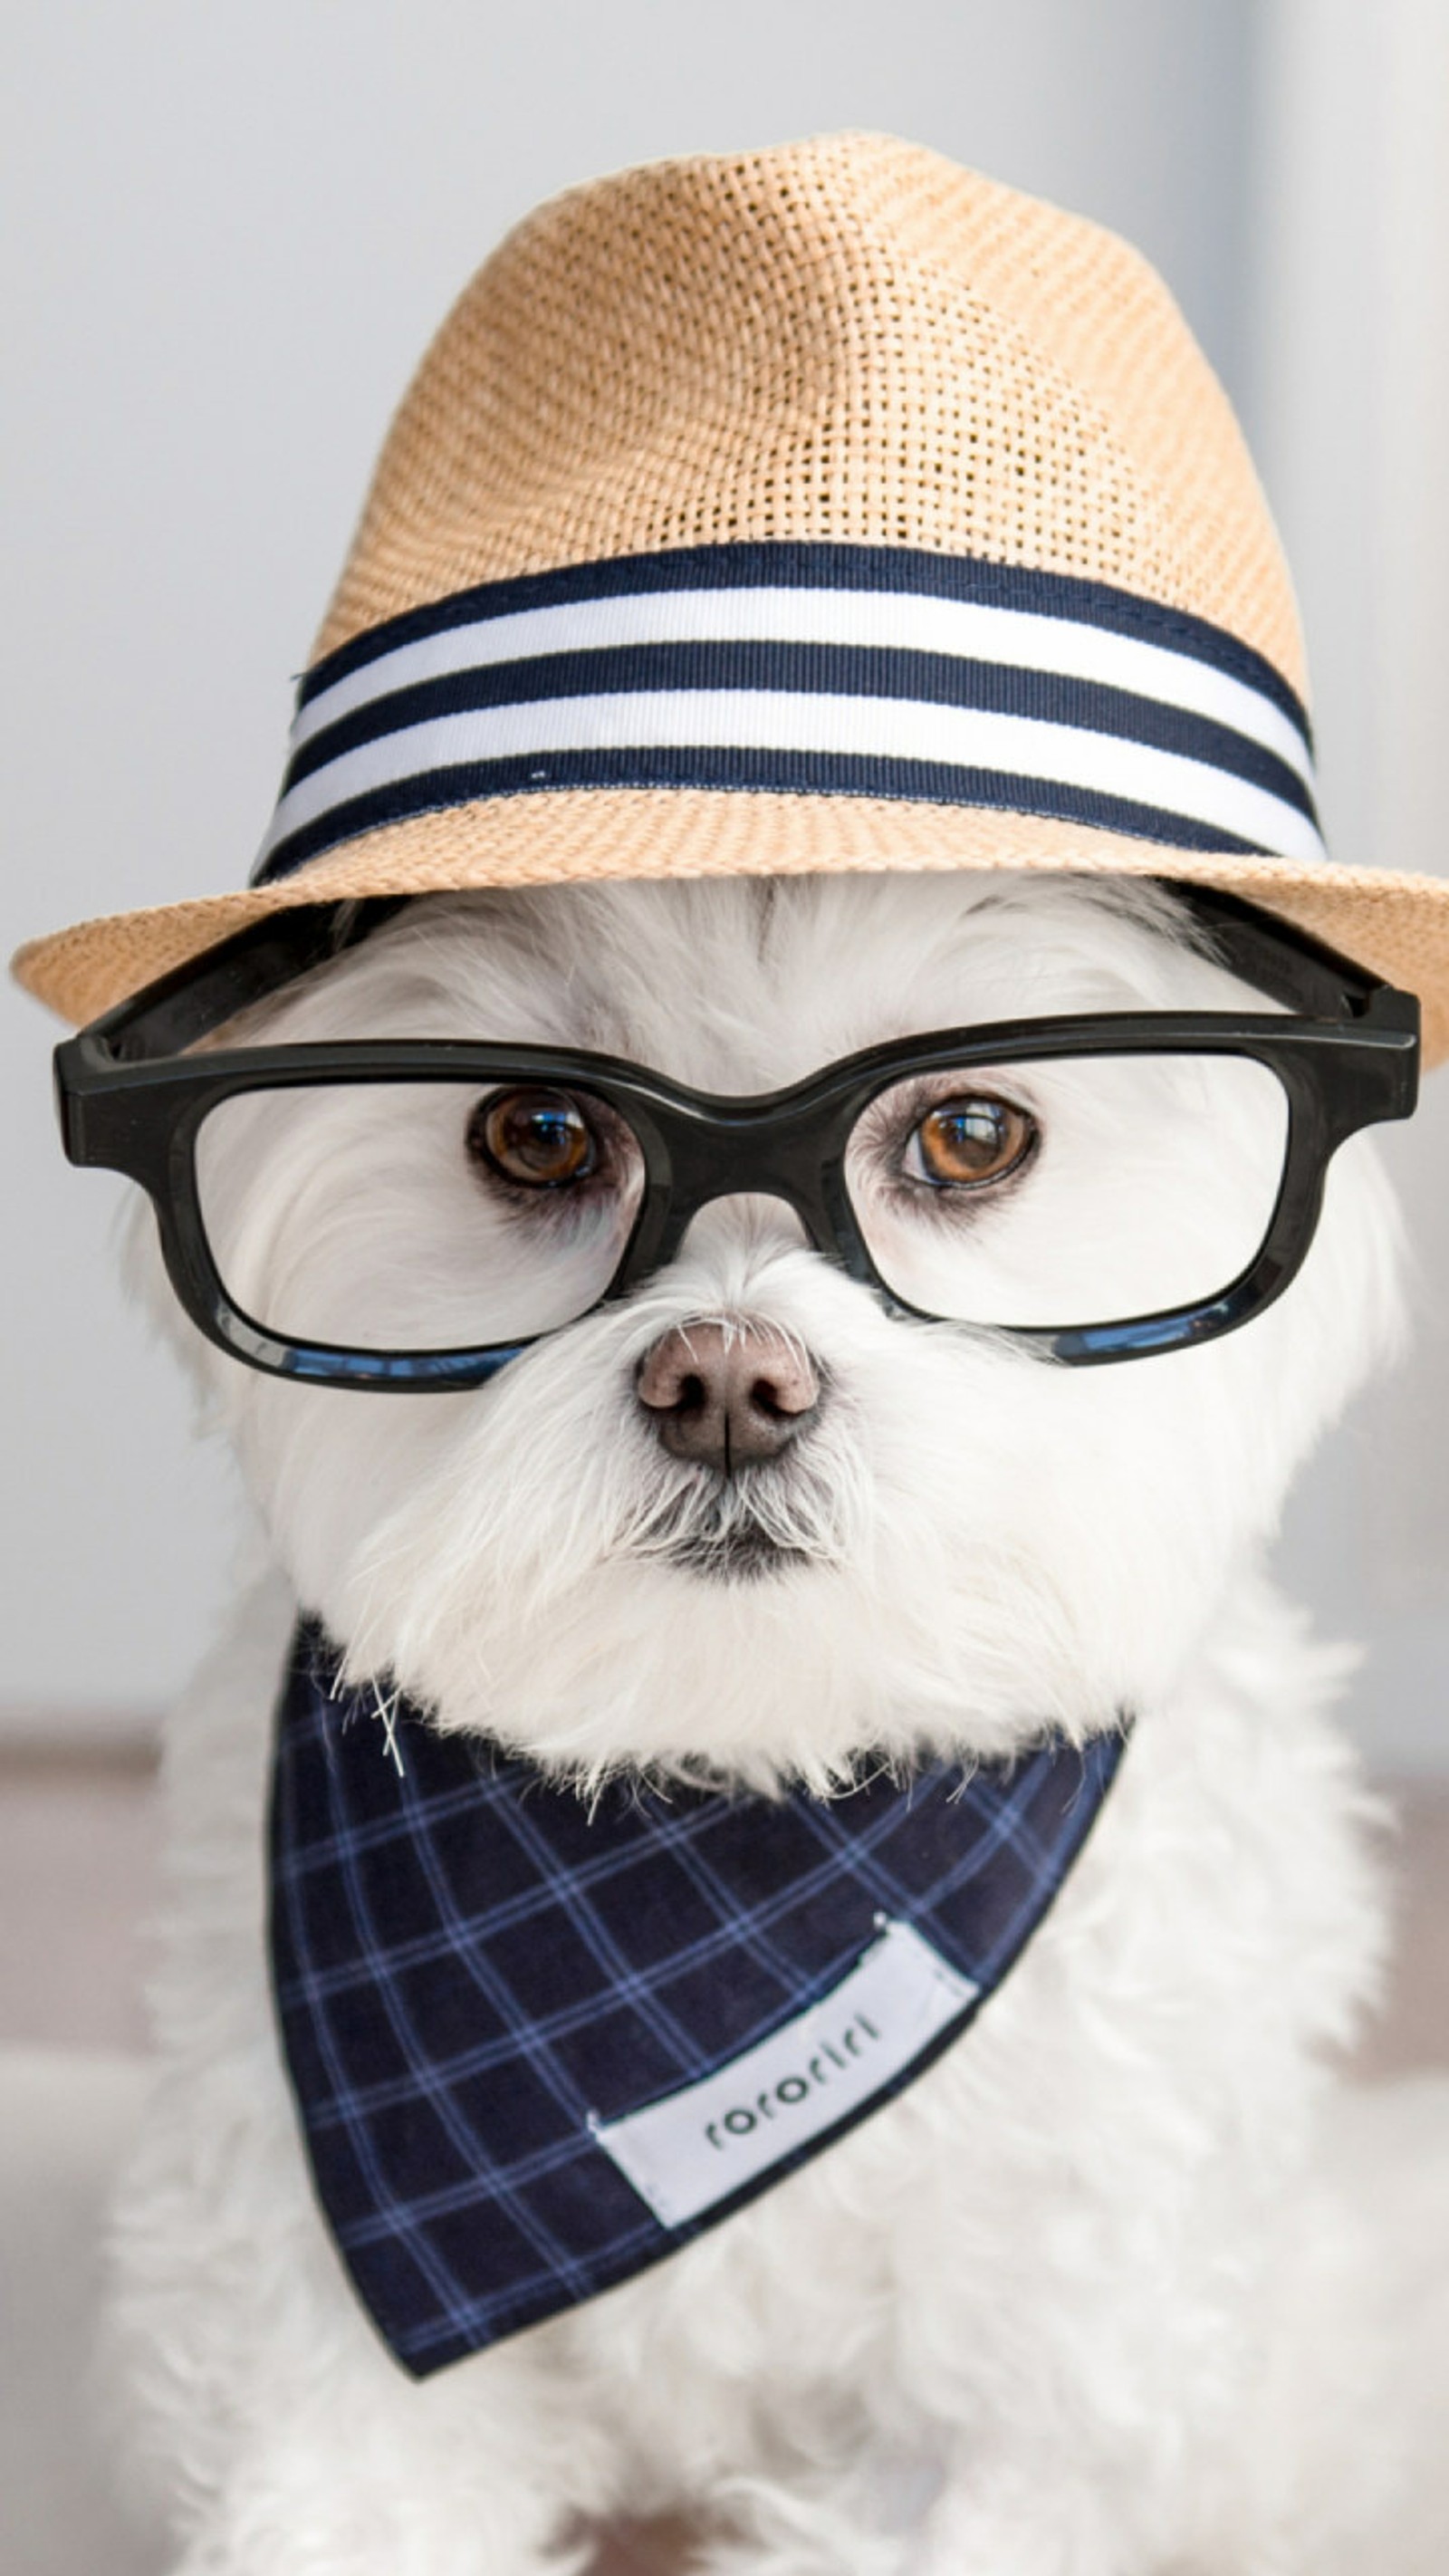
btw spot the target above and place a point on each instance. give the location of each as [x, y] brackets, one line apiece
[828, 670]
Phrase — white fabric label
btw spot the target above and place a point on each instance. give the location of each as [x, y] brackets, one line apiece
[697, 2146]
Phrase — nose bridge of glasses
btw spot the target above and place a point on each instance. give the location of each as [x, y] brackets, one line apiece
[765, 1162]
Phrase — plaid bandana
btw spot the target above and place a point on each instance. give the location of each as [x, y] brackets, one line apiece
[537, 2043]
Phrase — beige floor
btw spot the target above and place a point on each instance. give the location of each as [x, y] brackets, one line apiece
[78, 1847]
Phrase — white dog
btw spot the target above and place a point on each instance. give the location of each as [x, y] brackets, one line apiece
[1104, 2292]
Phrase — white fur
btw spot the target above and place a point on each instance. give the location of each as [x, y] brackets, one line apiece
[1091, 2299]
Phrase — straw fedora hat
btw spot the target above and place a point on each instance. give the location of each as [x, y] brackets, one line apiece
[822, 508]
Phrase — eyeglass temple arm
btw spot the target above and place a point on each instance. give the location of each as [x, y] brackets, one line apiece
[203, 994]
[1288, 964]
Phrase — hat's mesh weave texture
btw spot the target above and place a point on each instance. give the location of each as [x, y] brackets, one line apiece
[849, 339]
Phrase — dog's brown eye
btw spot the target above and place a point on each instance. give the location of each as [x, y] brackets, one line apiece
[537, 1139]
[962, 1144]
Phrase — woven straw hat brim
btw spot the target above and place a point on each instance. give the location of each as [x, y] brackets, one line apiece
[1396, 924]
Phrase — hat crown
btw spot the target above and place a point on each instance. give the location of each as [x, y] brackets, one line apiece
[848, 340]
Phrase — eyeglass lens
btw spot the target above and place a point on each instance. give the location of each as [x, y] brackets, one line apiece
[1076, 1190]
[415, 1216]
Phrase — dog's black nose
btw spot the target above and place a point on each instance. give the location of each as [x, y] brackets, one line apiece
[727, 1395]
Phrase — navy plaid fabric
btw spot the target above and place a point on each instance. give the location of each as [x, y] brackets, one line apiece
[472, 1965]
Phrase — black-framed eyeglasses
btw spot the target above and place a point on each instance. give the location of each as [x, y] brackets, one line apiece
[1168, 1165]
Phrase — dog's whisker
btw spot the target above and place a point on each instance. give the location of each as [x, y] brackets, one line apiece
[386, 1707]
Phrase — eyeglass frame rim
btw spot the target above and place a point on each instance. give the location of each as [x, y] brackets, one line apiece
[124, 1108]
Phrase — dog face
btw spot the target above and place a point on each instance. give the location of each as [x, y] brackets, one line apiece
[747, 1520]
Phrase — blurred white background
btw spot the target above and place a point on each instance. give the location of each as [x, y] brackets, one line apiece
[231, 229]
